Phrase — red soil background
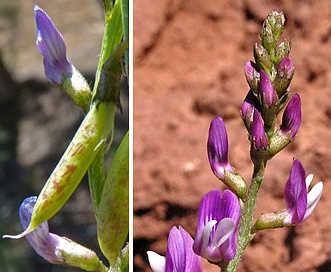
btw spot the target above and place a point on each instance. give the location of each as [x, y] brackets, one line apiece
[189, 59]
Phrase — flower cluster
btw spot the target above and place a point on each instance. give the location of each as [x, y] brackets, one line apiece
[226, 217]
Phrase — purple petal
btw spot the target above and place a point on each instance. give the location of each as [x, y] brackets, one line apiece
[216, 237]
[249, 104]
[229, 248]
[295, 193]
[247, 109]
[40, 239]
[285, 68]
[250, 70]
[230, 207]
[258, 134]
[180, 256]
[292, 117]
[193, 261]
[217, 147]
[175, 257]
[267, 90]
[209, 210]
[51, 45]
[252, 74]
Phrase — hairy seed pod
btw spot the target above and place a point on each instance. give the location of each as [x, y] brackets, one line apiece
[113, 213]
[96, 126]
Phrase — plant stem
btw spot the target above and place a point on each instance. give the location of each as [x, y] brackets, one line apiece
[245, 234]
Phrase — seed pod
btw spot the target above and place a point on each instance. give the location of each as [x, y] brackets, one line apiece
[96, 126]
[113, 213]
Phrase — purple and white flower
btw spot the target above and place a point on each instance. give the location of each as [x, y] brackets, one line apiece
[218, 221]
[300, 203]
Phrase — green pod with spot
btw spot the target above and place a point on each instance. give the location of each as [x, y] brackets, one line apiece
[113, 212]
[95, 128]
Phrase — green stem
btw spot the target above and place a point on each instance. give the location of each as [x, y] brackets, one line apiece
[245, 234]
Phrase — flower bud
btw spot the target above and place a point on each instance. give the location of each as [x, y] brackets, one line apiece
[59, 71]
[283, 51]
[247, 109]
[258, 135]
[259, 141]
[285, 72]
[289, 128]
[217, 148]
[272, 29]
[252, 76]
[292, 117]
[269, 97]
[263, 60]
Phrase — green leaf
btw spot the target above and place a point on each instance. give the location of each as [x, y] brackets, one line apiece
[112, 37]
[125, 19]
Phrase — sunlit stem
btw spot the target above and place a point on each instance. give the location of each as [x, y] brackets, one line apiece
[245, 234]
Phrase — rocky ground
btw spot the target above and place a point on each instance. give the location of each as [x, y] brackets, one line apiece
[189, 58]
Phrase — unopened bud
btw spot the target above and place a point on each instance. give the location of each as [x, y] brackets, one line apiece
[263, 60]
[247, 109]
[252, 76]
[285, 72]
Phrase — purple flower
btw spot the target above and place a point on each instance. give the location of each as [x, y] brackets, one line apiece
[180, 256]
[292, 117]
[300, 203]
[217, 148]
[58, 69]
[268, 93]
[258, 135]
[40, 239]
[51, 45]
[56, 249]
[218, 221]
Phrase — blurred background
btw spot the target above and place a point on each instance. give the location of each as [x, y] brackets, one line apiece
[37, 122]
[189, 59]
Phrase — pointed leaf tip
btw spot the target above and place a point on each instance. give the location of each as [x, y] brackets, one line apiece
[21, 235]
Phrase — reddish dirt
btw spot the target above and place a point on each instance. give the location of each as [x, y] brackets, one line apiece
[189, 59]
